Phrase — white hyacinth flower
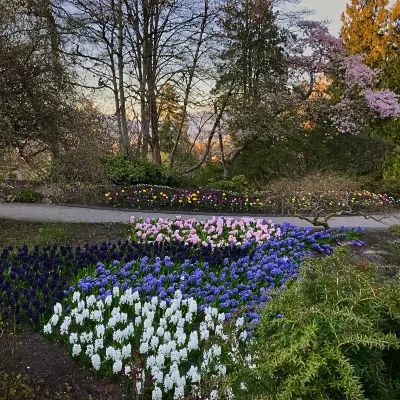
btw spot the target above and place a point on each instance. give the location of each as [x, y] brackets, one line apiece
[96, 361]
[117, 366]
[58, 309]
[144, 347]
[89, 350]
[154, 300]
[90, 300]
[98, 344]
[193, 341]
[156, 393]
[160, 331]
[136, 296]
[108, 300]
[154, 342]
[54, 319]
[73, 337]
[168, 382]
[47, 329]
[81, 305]
[160, 360]
[239, 322]
[100, 330]
[179, 392]
[126, 351]
[204, 334]
[76, 350]
[167, 336]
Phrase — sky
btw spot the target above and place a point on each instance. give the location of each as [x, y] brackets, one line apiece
[327, 10]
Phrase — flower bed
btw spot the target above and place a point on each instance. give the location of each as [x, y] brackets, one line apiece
[207, 200]
[197, 199]
[154, 311]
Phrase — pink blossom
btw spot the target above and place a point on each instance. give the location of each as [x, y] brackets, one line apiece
[384, 102]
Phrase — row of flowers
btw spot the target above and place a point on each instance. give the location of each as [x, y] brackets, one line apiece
[152, 197]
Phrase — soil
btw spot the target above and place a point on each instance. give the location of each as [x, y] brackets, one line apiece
[48, 371]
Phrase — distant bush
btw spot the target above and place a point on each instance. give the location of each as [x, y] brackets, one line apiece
[237, 184]
[27, 195]
[121, 170]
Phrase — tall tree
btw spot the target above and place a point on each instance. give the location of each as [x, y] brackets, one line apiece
[253, 60]
[364, 30]
[34, 104]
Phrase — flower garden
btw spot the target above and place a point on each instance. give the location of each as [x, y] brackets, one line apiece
[155, 311]
[207, 200]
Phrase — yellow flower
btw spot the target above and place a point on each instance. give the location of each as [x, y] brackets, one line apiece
[180, 201]
[261, 204]
[198, 192]
[144, 190]
[223, 194]
[154, 197]
[107, 194]
[257, 199]
[293, 199]
[122, 191]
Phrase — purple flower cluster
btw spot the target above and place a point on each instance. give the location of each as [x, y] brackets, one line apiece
[231, 285]
[33, 280]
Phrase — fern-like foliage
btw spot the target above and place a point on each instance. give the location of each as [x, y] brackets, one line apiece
[331, 334]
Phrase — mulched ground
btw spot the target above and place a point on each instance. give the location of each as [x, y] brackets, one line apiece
[46, 368]
[48, 371]
[43, 233]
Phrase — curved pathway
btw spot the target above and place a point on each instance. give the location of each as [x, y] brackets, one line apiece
[56, 213]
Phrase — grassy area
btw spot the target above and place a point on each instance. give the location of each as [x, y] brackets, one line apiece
[45, 233]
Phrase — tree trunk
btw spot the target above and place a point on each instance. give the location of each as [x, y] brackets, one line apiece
[125, 143]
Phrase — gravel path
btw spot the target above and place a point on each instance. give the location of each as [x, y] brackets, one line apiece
[56, 213]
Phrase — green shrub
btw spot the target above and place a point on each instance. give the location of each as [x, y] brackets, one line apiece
[237, 184]
[395, 229]
[27, 195]
[208, 172]
[124, 171]
[329, 335]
